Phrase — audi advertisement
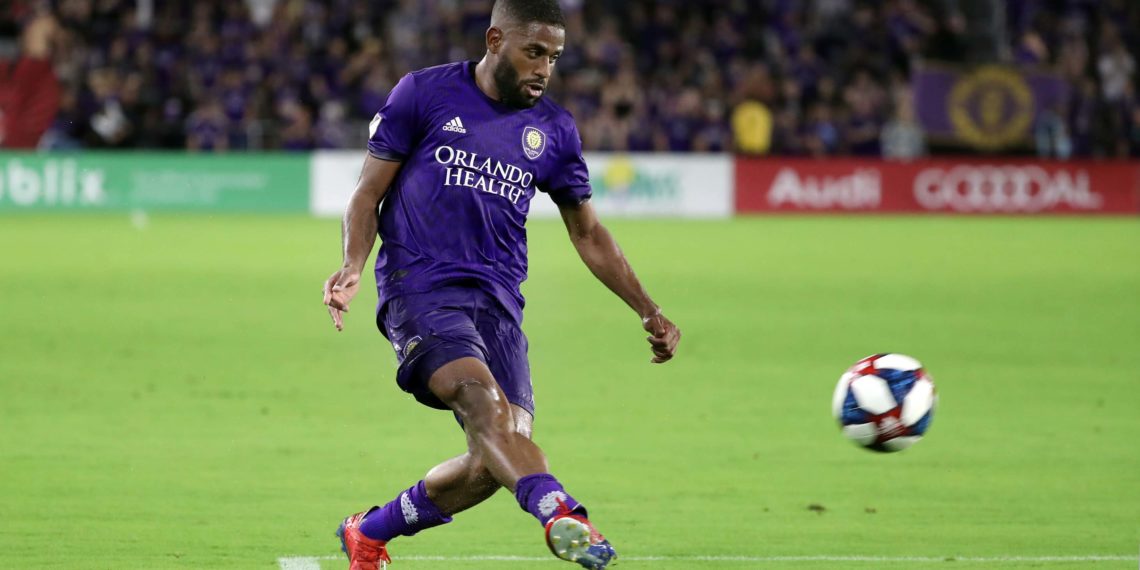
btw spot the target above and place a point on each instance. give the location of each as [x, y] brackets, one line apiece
[943, 186]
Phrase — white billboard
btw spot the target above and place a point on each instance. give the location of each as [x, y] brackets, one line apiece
[332, 178]
[625, 185]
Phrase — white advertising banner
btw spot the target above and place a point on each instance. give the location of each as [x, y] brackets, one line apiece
[332, 179]
[656, 185]
[625, 185]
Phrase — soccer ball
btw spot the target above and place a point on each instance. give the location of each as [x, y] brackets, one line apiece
[885, 402]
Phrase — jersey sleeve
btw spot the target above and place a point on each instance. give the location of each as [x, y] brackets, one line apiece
[395, 128]
[569, 185]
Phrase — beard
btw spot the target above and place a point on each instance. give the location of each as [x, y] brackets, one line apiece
[510, 88]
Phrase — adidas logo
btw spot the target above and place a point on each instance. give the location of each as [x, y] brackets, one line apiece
[455, 125]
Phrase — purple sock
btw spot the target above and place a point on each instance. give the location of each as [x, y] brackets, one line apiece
[541, 495]
[405, 515]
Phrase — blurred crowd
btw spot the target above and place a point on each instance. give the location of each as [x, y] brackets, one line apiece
[782, 77]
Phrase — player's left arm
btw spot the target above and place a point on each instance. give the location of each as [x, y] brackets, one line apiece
[600, 252]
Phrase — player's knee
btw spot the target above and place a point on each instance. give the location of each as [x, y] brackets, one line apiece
[481, 407]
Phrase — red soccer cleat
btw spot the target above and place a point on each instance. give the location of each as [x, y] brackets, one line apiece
[363, 553]
[573, 538]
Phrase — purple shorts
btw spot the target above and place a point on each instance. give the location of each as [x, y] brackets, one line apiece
[428, 330]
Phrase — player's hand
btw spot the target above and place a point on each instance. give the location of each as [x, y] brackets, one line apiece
[339, 290]
[664, 336]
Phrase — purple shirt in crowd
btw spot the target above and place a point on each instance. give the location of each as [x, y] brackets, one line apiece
[471, 165]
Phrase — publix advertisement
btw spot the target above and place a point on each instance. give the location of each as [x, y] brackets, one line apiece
[154, 181]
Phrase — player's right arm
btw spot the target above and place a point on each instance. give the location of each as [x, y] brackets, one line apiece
[358, 234]
[392, 135]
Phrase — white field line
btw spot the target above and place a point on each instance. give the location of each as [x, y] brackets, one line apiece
[314, 562]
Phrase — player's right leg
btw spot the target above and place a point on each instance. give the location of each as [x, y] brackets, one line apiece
[514, 461]
[463, 482]
[466, 386]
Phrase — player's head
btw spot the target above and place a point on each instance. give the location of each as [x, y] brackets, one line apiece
[525, 39]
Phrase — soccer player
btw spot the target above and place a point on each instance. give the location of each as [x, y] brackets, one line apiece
[455, 157]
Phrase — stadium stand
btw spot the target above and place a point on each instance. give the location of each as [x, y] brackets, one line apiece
[780, 77]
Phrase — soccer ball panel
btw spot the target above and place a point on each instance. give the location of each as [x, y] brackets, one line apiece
[863, 434]
[900, 443]
[840, 395]
[873, 394]
[897, 362]
[917, 402]
[852, 413]
[919, 427]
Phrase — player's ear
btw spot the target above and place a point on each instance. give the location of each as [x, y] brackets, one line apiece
[494, 40]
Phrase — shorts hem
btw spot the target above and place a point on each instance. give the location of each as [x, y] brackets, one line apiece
[433, 353]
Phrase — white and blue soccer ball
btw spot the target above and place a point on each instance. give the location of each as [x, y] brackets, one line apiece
[885, 402]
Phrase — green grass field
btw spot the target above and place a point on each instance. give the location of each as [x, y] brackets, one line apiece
[176, 397]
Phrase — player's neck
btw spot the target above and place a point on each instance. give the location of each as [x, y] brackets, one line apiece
[485, 79]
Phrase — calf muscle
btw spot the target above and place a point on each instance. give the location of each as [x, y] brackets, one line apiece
[464, 481]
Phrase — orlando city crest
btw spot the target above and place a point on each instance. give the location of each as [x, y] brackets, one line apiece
[408, 348]
[534, 142]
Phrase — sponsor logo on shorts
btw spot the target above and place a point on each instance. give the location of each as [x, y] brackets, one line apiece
[412, 344]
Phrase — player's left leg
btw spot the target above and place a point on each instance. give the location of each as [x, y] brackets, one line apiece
[467, 387]
[463, 482]
[569, 534]
[448, 488]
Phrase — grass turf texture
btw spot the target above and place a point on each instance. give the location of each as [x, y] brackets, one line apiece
[176, 397]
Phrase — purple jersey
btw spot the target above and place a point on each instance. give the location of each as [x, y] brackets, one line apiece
[471, 165]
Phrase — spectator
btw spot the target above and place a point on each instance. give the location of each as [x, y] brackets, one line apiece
[108, 124]
[605, 131]
[1031, 50]
[864, 101]
[29, 90]
[1082, 117]
[1052, 134]
[1116, 66]
[207, 128]
[714, 135]
[786, 136]
[65, 132]
[903, 138]
[820, 134]
[297, 133]
[331, 130]
[1134, 132]
[752, 128]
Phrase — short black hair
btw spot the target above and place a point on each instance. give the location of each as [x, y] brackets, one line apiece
[527, 11]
